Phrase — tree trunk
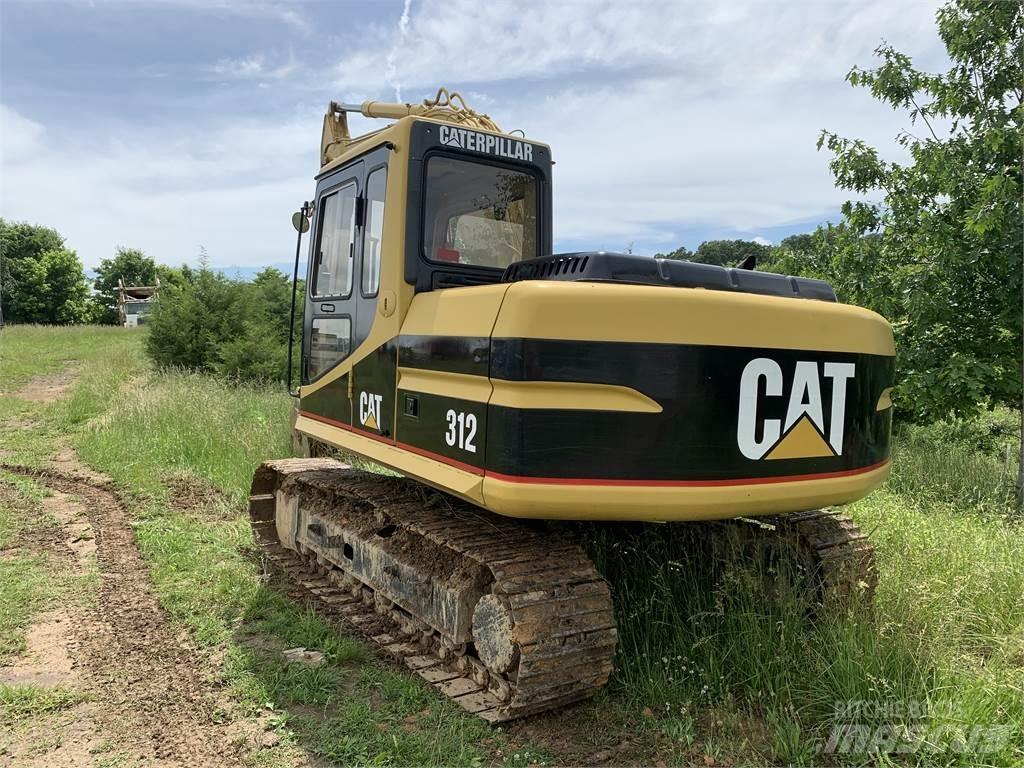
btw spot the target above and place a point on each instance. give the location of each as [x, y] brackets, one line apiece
[1020, 453]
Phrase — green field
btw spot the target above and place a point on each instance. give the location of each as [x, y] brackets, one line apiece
[711, 669]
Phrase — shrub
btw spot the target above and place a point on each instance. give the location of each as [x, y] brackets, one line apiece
[213, 324]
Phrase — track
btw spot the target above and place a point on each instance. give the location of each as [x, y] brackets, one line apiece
[506, 619]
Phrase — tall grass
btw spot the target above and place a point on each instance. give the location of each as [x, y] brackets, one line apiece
[181, 422]
[173, 426]
[702, 642]
[27, 351]
[945, 639]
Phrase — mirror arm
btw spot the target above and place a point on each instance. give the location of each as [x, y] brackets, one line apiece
[291, 315]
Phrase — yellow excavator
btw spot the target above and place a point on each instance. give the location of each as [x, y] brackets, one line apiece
[442, 339]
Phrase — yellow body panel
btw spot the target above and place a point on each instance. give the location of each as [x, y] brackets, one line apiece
[556, 395]
[671, 315]
[462, 483]
[455, 311]
[459, 385]
[549, 500]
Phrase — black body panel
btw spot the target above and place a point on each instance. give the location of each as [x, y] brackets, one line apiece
[452, 354]
[695, 436]
[693, 439]
[643, 270]
[433, 430]
[330, 401]
[373, 390]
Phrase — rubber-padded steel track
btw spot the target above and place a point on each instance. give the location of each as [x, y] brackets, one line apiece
[542, 632]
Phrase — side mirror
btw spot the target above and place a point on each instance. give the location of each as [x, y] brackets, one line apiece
[300, 222]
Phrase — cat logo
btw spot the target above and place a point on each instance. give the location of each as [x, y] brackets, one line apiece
[369, 410]
[802, 434]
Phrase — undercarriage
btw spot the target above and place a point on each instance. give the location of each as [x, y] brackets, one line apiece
[505, 617]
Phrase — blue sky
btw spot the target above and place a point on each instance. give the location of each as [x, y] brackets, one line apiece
[174, 124]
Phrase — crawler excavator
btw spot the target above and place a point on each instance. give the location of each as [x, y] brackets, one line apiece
[508, 386]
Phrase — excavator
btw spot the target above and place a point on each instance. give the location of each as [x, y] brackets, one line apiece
[503, 387]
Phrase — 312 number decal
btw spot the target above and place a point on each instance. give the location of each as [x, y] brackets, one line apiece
[461, 430]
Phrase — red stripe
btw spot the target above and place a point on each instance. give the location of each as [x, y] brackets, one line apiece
[594, 480]
[404, 446]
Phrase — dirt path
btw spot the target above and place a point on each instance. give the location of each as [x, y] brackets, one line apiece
[49, 387]
[146, 700]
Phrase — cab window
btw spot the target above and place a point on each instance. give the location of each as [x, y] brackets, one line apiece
[373, 232]
[329, 342]
[333, 260]
[479, 214]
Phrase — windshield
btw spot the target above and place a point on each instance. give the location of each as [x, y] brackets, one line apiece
[478, 214]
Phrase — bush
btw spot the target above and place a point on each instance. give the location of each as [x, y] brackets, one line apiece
[212, 324]
[995, 432]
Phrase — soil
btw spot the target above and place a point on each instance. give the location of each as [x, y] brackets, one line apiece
[144, 696]
[47, 388]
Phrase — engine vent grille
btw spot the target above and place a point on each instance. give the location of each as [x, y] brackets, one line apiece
[547, 266]
[602, 267]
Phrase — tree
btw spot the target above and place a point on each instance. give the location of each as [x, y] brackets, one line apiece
[213, 324]
[679, 254]
[40, 280]
[130, 265]
[950, 218]
[729, 253]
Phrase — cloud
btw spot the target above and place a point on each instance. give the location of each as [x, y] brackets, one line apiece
[283, 11]
[254, 67]
[665, 118]
[738, 43]
[19, 136]
[230, 188]
[762, 240]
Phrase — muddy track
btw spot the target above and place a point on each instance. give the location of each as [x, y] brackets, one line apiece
[149, 697]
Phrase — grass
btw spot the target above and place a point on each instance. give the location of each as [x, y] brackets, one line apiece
[26, 587]
[28, 580]
[942, 651]
[19, 702]
[710, 667]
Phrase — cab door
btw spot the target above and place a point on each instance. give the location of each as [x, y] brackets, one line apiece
[331, 291]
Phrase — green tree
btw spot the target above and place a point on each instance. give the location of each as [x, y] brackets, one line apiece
[213, 324]
[130, 265]
[41, 281]
[679, 254]
[950, 218]
[729, 253]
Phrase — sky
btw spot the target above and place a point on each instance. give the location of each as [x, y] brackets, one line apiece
[176, 125]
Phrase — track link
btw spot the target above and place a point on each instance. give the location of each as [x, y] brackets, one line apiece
[833, 560]
[506, 619]
[842, 557]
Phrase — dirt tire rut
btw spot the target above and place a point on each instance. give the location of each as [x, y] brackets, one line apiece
[151, 700]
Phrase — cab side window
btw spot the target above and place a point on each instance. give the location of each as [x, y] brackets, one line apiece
[334, 253]
[330, 341]
[373, 231]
